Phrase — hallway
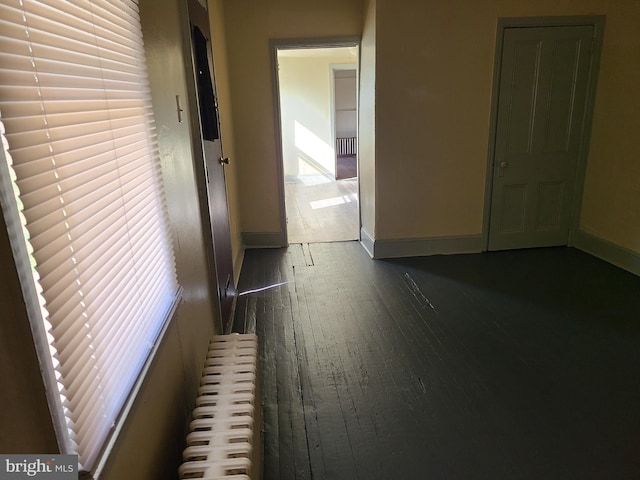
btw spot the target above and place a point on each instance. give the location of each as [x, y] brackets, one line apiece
[507, 365]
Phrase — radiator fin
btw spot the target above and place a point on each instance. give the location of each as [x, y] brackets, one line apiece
[346, 146]
[222, 443]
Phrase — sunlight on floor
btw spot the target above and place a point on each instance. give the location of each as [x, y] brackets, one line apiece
[313, 179]
[322, 210]
[331, 202]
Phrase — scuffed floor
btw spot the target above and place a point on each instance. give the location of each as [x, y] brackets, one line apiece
[507, 365]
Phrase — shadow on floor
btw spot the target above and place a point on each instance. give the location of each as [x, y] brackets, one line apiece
[505, 365]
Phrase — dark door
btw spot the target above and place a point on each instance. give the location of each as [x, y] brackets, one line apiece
[541, 104]
[214, 159]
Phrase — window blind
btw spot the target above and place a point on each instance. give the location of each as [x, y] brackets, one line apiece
[76, 109]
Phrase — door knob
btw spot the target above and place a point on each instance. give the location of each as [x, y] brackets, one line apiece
[223, 160]
[504, 164]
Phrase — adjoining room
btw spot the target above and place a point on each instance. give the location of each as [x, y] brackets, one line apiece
[318, 117]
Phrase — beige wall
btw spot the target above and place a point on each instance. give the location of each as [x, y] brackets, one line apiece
[346, 103]
[435, 69]
[431, 65]
[305, 110]
[249, 26]
[611, 205]
[24, 412]
[433, 84]
[437, 76]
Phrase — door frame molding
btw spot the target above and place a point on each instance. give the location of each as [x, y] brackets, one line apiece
[276, 44]
[598, 23]
[192, 16]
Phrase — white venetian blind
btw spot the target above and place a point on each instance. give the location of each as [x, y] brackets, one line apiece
[76, 108]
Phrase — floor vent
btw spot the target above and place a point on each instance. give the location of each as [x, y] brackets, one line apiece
[223, 442]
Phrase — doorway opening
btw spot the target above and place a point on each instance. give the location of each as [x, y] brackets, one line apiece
[317, 99]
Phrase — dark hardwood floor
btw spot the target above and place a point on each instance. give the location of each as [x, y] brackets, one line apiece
[507, 365]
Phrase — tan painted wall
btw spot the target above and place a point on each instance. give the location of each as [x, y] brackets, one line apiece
[433, 84]
[433, 79]
[24, 412]
[346, 102]
[611, 205]
[249, 26]
[434, 71]
[305, 100]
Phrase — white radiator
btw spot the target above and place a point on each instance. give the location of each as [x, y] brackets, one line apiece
[225, 430]
[346, 146]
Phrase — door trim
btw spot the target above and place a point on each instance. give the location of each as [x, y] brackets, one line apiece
[598, 23]
[293, 44]
[191, 7]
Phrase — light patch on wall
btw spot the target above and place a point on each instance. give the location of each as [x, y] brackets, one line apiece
[315, 150]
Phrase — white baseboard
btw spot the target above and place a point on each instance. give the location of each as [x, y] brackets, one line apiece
[367, 241]
[263, 239]
[609, 252]
[420, 247]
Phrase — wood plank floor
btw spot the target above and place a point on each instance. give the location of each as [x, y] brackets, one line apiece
[322, 210]
[506, 365]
